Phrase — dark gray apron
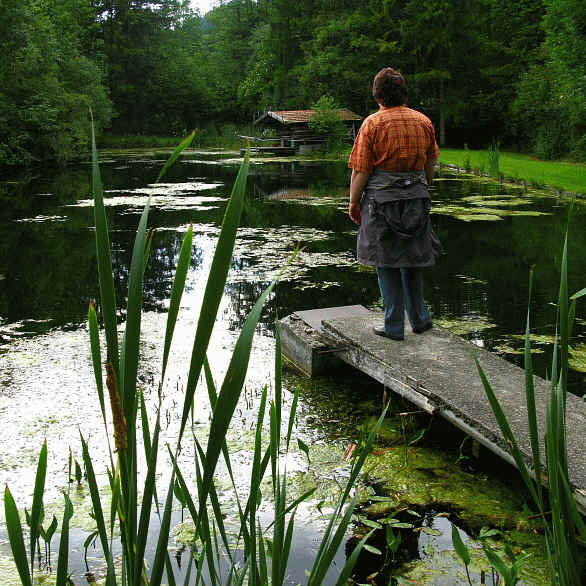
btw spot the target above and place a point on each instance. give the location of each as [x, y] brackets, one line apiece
[395, 227]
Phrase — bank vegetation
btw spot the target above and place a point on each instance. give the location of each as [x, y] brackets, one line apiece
[484, 71]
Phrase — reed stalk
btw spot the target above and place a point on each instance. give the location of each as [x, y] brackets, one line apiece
[565, 532]
[133, 516]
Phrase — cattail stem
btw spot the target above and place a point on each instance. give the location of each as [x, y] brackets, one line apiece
[117, 413]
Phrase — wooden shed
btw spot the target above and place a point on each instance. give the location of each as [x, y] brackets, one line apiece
[292, 131]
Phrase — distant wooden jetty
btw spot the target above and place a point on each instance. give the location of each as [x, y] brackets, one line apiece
[435, 371]
[268, 146]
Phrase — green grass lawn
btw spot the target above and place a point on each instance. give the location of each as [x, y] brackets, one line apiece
[564, 175]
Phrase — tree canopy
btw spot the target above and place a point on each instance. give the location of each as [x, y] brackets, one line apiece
[484, 71]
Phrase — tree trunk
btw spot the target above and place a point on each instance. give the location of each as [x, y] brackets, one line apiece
[442, 116]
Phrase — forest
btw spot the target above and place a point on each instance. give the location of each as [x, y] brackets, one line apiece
[486, 72]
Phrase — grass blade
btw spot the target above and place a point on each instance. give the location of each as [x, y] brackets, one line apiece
[97, 367]
[571, 318]
[497, 563]
[15, 538]
[530, 400]
[255, 480]
[286, 547]
[189, 566]
[62, 561]
[176, 293]
[296, 502]
[230, 393]
[146, 434]
[510, 440]
[37, 507]
[263, 571]
[461, 550]
[459, 546]
[203, 522]
[147, 501]
[98, 513]
[292, 413]
[573, 509]
[188, 499]
[133, 316]
[175, 155]
[326, 550]
[325, 553]
[96, 355]
[278, 374]
[215, 502]
[200, 564]
[169, 569]
[242, 574]
[564, 340]
[163, 541]
[279, 495]
[579, 294]
[148, 241]
[115, 487]
[213, 397]
[104, 260]
[215, 287]
[323, 563]
[128, 395]
[351, 561]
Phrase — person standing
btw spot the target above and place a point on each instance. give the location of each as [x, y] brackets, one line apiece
[392, 164]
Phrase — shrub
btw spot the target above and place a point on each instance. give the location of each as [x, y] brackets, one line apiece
[327, 123]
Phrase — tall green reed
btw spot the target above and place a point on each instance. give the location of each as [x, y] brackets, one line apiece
[127, 510]
[565, 533]
[494, 154]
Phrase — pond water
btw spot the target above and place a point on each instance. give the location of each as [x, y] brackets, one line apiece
[491, 234]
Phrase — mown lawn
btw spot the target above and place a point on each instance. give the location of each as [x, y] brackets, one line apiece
[564, 175]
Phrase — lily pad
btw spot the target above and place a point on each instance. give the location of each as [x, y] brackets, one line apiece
[464, 325]
[536, 338]
[506, 349]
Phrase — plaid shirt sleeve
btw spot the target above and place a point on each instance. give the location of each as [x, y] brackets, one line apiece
[362, 156]
[433, 151]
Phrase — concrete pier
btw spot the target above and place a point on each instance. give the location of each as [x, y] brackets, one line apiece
[435, 371]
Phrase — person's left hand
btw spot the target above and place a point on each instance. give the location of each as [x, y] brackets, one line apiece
[354, 212]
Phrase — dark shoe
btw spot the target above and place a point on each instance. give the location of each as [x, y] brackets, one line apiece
[380, 331]
[423, 328]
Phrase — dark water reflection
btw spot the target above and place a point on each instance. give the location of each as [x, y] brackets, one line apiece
[48, 274]
[47, 266]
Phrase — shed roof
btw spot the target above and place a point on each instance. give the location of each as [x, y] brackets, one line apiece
[302, 116]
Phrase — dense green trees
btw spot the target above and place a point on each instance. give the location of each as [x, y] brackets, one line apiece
[551, 98]
[486, 70]
[47, 82]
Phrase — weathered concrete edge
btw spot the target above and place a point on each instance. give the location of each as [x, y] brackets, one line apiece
[305, 348]
[381, 372]
[371, 365]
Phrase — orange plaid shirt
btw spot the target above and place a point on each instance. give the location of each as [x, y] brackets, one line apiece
[394, 139]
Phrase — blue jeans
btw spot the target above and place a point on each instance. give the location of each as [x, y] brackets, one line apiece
[402, 289]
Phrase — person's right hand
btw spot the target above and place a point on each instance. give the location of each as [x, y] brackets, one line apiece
[354, 212]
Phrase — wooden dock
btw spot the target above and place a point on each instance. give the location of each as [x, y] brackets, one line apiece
[272, 150]
[435, 371]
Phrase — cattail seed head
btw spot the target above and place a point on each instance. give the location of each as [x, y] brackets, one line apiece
[120, 438]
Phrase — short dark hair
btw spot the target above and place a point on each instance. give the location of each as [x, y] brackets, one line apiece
[389, 87]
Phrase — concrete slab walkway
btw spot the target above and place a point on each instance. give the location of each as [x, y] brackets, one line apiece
[436, 371]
